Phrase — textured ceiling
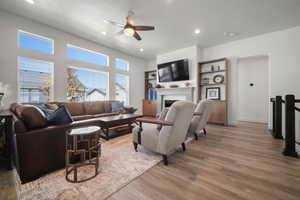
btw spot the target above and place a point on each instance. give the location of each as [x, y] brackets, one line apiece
[175, 20]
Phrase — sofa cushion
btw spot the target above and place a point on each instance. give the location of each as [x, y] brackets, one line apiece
[82, 117]
[95, 107]
[45, 110]
[32, 116]
[60, 116]
[75, 108]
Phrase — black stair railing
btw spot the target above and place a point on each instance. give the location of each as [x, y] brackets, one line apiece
[290, 132]
[277, 117]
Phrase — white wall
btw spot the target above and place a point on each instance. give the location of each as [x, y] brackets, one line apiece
[9, 52]
[283, 49]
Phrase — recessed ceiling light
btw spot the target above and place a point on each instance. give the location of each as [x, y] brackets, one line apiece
[103, 33]
[230, 34]
[30, 1]
[197, 31]
[141, 49]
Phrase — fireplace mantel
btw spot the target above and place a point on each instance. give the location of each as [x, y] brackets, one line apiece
[186, 93]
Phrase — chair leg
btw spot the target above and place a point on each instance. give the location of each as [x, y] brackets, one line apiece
[165, 159]
[204, 131]
[183, 146]
[135, 146]
[196, 136]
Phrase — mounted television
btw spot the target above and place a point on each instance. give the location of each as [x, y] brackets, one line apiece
[173, 71]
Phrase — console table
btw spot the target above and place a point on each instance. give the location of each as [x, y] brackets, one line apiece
[6, 134]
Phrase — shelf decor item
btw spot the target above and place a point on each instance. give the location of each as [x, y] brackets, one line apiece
[218, 78]
[205, 81]
[187, 84]
[173, 86]
[213, 93]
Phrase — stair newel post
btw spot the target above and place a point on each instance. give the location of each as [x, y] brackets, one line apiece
[290, 146]
[278, 118]
[273, 116]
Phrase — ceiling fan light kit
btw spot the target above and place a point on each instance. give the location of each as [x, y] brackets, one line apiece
[129, 29]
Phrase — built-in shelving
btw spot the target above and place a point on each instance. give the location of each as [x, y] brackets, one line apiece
[206, 72]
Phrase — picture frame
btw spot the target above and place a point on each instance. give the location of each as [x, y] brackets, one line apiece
[213, 93]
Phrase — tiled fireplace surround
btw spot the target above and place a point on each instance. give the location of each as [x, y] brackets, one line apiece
[186, 93]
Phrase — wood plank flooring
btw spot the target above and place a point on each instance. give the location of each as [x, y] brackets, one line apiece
[231, 163]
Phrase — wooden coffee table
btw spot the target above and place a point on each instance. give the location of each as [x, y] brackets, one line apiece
[116, 120]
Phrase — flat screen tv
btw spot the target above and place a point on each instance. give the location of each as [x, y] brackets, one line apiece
[173, 71]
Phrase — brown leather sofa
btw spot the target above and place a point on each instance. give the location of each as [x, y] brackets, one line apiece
[39, 148]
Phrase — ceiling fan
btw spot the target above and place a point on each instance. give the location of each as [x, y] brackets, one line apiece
[129, 28]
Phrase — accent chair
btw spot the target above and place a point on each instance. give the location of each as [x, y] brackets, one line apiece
[172, 133]
[200, 118]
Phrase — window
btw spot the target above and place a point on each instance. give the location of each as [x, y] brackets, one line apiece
[35, 80]
[87, 85]
[122, 88]
[84, 55]
[122, 65]
[35, 42]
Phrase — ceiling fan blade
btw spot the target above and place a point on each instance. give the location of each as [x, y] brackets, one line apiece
[144, 28]
[113, 23]
[137, 36]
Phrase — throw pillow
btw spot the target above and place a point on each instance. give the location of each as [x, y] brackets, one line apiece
[162, 116]
[51, 106]
[60, 116]
[45, 109]
[117, 106]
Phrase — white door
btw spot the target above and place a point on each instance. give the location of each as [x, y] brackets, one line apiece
[253, 92]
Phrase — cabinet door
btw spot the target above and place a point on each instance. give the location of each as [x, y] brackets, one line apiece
[217, 112]
[149, 108]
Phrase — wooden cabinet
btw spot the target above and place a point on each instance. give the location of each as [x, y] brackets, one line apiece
[217, 112]
[149, 108]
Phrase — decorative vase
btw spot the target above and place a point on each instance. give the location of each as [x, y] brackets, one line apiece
[187, 84]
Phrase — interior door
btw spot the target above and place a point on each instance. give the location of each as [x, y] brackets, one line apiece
[253, 89]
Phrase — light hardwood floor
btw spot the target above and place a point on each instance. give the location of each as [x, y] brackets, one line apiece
[243, 163]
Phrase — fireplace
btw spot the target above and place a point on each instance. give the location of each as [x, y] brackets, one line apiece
[168, 103]
[167, 96]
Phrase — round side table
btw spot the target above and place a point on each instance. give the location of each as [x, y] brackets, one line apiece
[83, 148]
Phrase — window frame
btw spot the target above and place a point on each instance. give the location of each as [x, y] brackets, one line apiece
[90, 51]
[36, 36]
[122, 60]
[51, 97]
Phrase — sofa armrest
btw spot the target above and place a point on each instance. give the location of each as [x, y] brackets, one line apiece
[154, 121]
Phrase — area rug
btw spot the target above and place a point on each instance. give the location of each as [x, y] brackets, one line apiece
[119, 165]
